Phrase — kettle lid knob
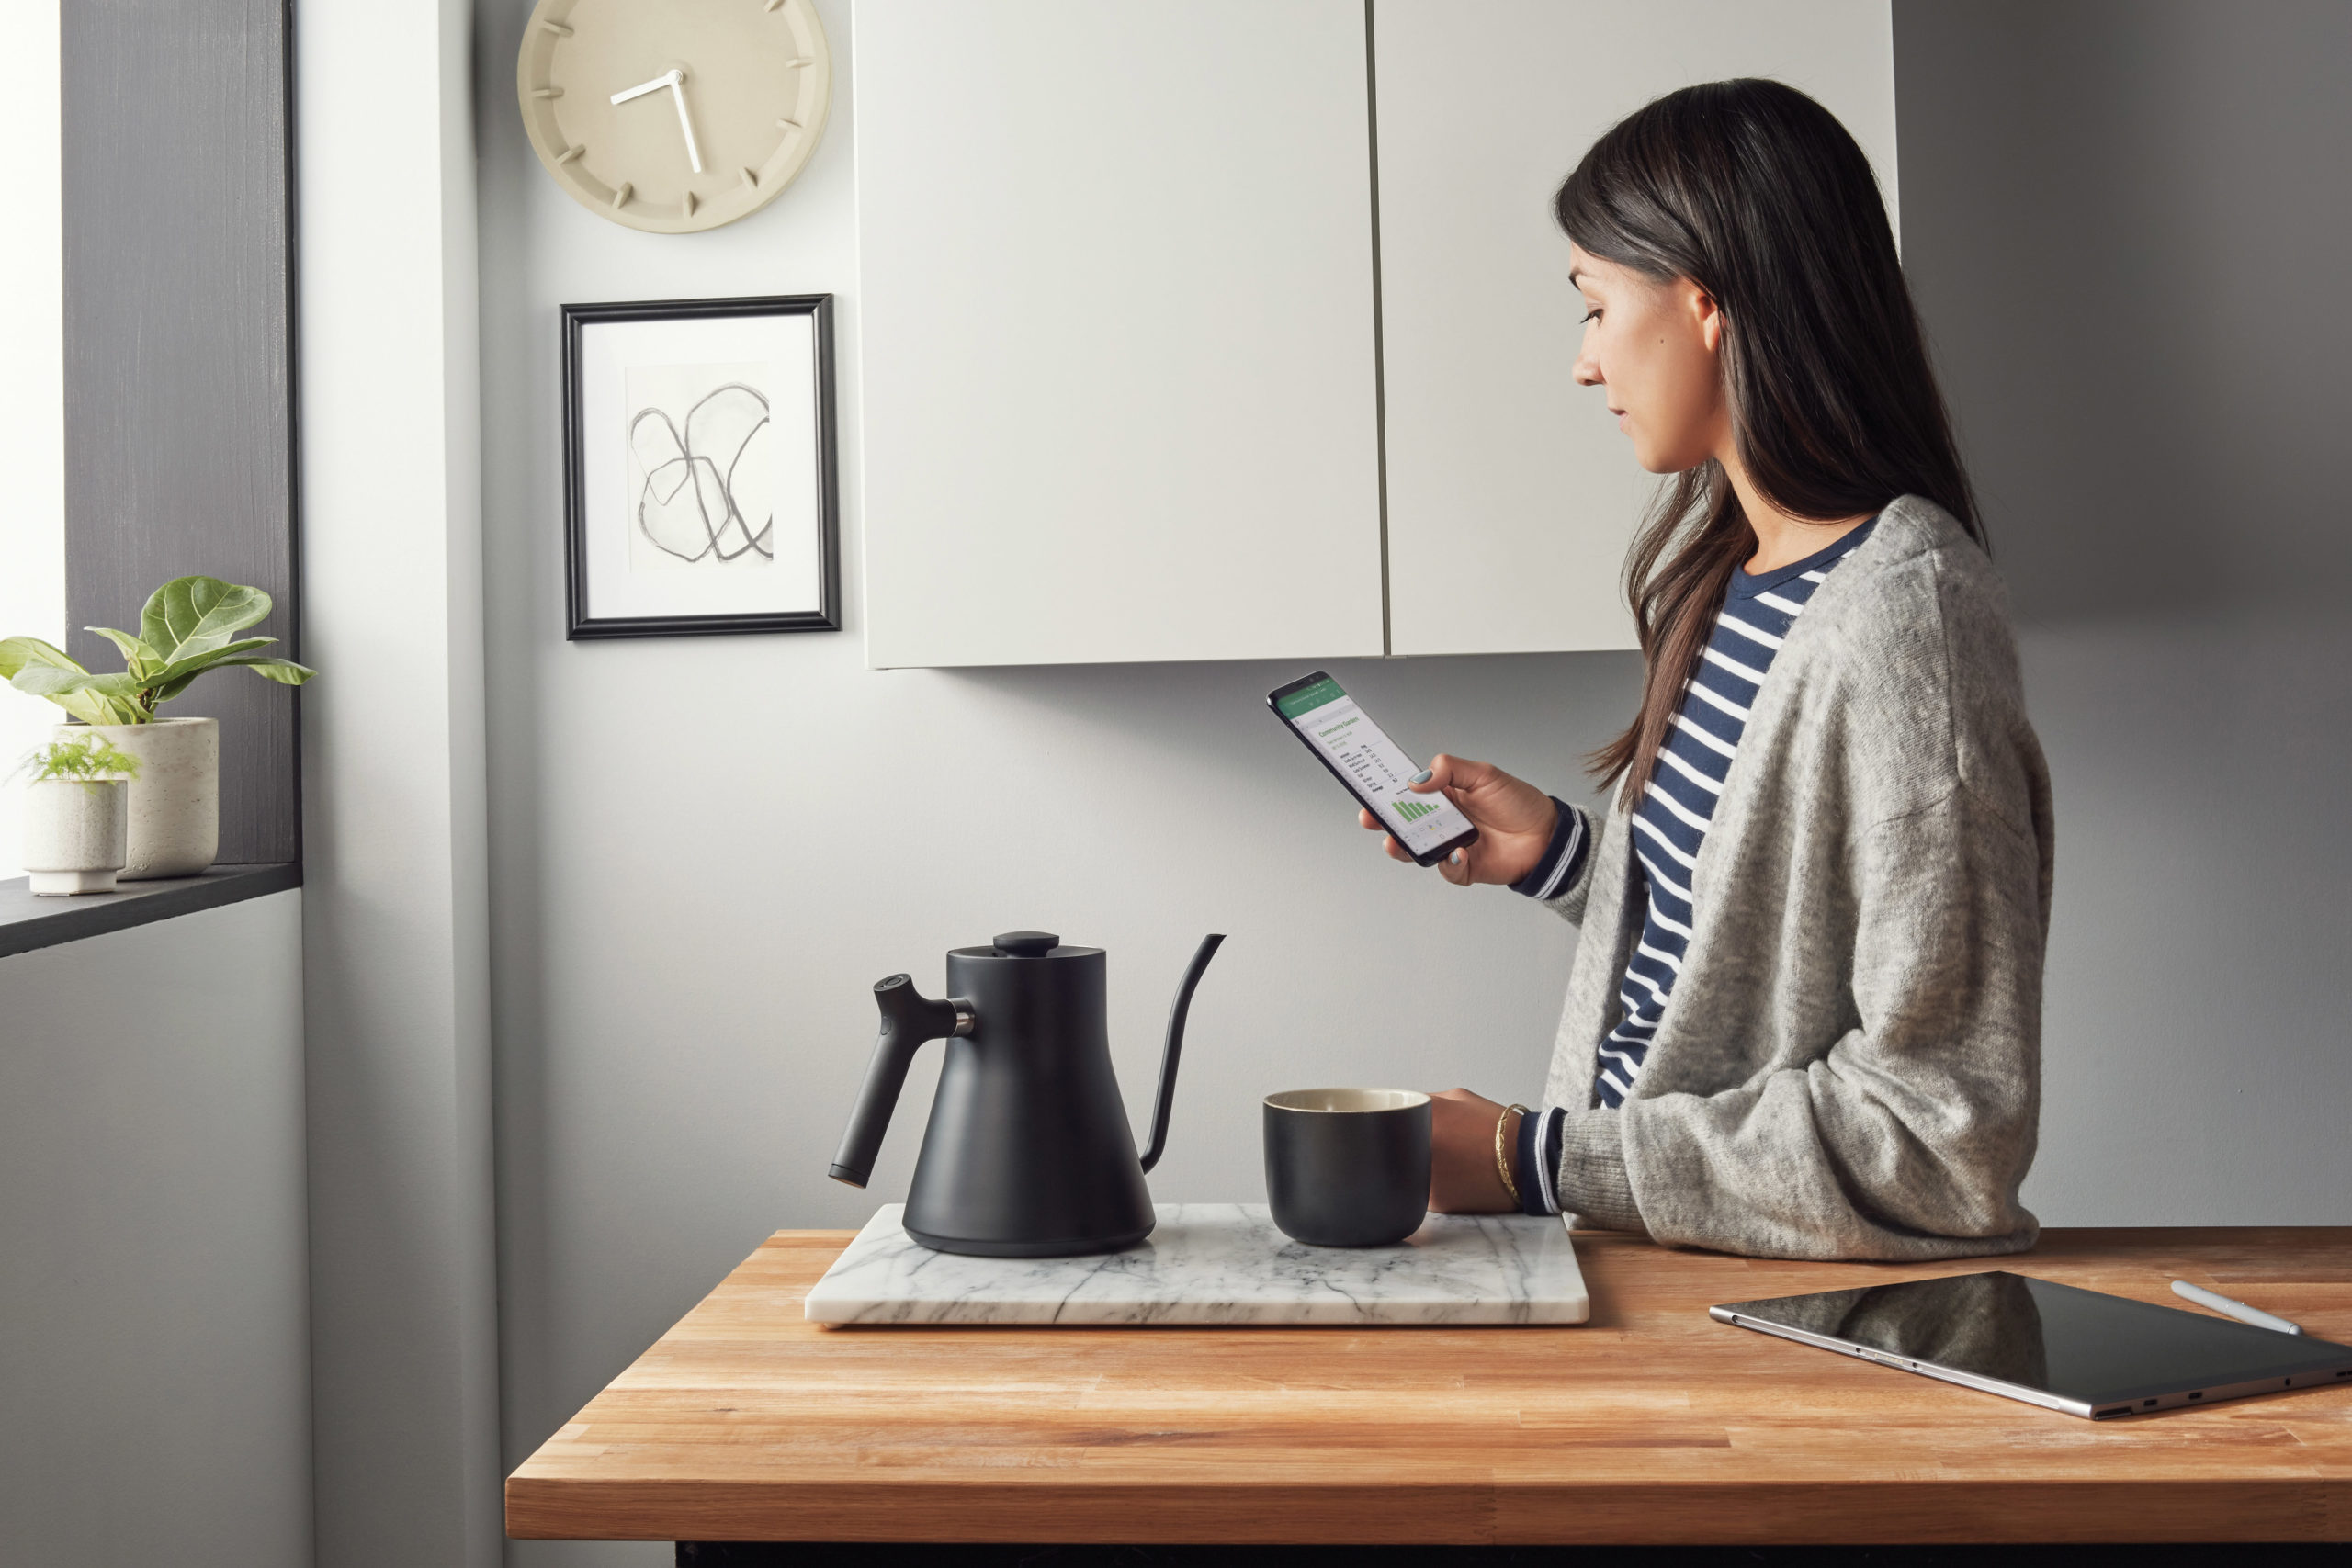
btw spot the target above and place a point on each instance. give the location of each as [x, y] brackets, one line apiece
[1027, 945]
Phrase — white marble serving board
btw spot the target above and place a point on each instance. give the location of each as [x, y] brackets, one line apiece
[1220, 1263]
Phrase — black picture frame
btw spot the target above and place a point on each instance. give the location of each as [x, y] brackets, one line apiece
[579, 626]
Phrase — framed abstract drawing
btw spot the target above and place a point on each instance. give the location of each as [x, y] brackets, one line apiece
[701, 493]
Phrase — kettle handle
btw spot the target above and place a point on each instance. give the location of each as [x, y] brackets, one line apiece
[1166, 1100]
[910, 1020]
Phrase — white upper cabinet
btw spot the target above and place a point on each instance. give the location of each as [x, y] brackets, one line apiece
[1122, 368]
[1116, 318]
[1511, 496]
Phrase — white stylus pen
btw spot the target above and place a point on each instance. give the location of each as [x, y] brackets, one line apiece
[2238, 1310]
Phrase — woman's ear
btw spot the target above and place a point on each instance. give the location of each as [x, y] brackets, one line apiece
[1712, 322]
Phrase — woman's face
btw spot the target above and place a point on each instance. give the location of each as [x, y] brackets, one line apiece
[1656, 347]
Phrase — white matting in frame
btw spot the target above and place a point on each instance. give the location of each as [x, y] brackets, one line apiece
[700, 491]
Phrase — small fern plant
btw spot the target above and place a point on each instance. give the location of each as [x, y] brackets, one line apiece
[84, 759]
[189, 626]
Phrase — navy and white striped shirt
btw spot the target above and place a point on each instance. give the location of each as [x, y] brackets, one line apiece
[1669, 825]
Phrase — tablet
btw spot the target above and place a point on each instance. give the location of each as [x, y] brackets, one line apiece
[2056, 1346]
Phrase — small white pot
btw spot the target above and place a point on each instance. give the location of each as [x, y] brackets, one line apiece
[76, 834]
[175, 799]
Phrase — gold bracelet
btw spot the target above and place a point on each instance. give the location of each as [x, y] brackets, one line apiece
[1502, 1163]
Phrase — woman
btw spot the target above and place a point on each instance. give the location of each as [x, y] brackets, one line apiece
[1805, 1016]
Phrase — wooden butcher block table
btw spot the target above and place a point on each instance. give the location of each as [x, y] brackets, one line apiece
[1651, 1423]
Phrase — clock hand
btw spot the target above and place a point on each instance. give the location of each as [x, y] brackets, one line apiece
[666, 79]
[674, 80]
[694, 154]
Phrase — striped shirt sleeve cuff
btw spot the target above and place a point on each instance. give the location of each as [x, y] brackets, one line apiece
[1571, 835]
[1539, 1160]
[1589, 1179]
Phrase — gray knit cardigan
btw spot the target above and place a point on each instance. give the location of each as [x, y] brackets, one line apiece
[1851, 1065]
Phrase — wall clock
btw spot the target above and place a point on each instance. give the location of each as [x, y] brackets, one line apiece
[677, 116]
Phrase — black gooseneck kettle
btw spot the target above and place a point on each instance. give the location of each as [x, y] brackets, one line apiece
[1028, 1153]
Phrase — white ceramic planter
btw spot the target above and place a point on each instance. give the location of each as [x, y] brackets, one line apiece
[175, 799]
[76, 834]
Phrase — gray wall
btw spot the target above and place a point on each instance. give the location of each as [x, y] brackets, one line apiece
[2125, 222]
[683, 950]
[705, 850]
[156, 1359]
[179, 355]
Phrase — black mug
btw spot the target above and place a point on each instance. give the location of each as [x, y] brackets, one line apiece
[1347, 1167]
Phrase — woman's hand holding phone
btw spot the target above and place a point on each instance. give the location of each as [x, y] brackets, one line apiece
[1513, 818]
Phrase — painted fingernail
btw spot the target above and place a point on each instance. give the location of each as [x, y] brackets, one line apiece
[1424, 775]
[1455, 857]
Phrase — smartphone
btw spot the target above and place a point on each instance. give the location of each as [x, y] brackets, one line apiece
[1373, 768]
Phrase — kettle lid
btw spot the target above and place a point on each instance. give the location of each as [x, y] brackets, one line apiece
[1026, 944]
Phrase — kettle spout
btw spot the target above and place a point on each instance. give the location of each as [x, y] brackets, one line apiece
[1166, 1100]
[909, 1018]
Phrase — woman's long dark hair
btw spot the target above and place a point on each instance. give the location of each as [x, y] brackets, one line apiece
[1756, 193]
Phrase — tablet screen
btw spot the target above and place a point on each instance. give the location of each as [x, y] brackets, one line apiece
[2082, 1345]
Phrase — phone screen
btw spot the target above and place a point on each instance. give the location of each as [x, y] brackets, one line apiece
[1356, 748]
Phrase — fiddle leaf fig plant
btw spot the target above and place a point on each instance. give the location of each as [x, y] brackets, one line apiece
[189, 626]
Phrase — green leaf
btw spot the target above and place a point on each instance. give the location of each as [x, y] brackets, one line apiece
[57, 682]
[83, 758]
[29, 652]
[189, 615]
[284, 671]
[180, 672]
[93, 699]
[92, 709]
[142, 658]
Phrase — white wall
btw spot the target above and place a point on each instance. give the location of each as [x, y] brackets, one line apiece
[156, 1354]
[705, 850]
[32, 391]
[394, 934]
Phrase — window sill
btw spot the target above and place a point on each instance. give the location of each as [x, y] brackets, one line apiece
[28, 922]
